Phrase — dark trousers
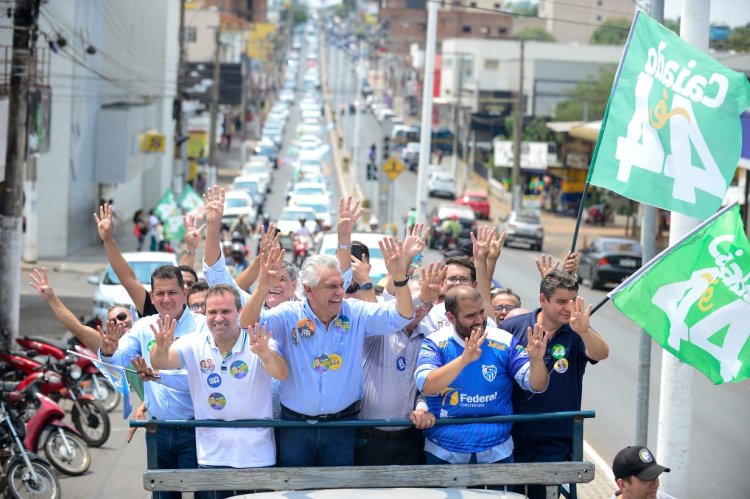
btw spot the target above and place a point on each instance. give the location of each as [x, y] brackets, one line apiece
[537, 491]
[433, 459]
[222, 494]
[379, 448]
[175, 450]
[315, 447]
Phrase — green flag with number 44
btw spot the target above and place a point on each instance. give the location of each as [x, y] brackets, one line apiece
[671, 135]
[694, 298]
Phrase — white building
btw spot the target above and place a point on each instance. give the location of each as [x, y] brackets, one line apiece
[576, 20]
[102, 100]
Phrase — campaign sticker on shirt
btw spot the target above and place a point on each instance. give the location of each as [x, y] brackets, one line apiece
[401, 363]
[342, 323]
[323, 363]
[306, 327]
[561, 365]
[213, 380]
[295, 336]
[238, 369]
[334, 362]
[207, 366]
[150, 345]
[217, 401]
[558, 351]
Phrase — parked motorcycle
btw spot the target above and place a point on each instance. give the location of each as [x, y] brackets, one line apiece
[25, 473]
[61, 380]
[92, 381]
[45, 429]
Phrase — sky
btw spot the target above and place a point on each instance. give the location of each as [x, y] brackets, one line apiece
[733, 12]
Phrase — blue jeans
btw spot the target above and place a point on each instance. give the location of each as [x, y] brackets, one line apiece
[175, 450]
[315, 447]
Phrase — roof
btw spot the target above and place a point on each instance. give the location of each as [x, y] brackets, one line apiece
[563, 126]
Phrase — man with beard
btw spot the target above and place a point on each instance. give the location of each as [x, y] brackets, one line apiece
[467, 369]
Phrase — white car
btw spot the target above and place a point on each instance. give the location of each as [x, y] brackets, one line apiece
[309, 142]
[259, 171]
[288, 223]
[253, 186]
[238, 203]
[322, 210]
[441, 184]
[370, 239]
[309, 192]
[110, 292]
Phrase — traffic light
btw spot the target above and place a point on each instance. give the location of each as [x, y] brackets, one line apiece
[386, 147]
[372, 171]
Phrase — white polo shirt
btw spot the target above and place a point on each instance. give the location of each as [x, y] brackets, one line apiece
[229, 388]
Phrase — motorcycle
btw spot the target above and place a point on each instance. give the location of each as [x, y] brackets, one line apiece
[92, 381]
[25, 473]
[61, 380]
[301, 249]
[45, 429]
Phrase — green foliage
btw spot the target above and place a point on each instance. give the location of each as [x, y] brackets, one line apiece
[613, 31]
[739, 39]
[299, 16]
[592, 93]
[526, 9]
[535, 33]
[534, 131]
[672, 25]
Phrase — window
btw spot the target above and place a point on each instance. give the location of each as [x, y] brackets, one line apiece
[496, 6]
[472, 4]
[191, 34]
[466, 29]
[491, 64]
[598, 18]
[502, 31]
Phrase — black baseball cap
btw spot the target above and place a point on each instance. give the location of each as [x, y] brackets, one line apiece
[638, 462]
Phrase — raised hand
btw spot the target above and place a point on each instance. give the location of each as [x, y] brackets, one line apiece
[214, 200]
[349, 213]
[579, 316]
[259, 339]
[481, 242]
[545, 265]
[496, 245]
[414, 242]
[360, 270]
[537, 344]
[570, 263]
[192, 231]
[270, 267]
[110, 339]
[473, 345]
[40, 283]
[268, 238]
[104, 222]
[393, 255]
[145, 372]
[432, 280]
[163, 334]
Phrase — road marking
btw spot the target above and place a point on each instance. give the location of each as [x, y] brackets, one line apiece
[598, 461]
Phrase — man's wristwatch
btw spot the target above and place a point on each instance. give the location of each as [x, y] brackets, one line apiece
[400, 284]
[418, 302]
[365, 286]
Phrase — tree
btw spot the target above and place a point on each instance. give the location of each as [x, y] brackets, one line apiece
[613, 31]
[588, 99]
[739, 39]
[673, 25]
[535, 33]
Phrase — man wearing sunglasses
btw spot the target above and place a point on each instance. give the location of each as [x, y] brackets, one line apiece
[503, 301]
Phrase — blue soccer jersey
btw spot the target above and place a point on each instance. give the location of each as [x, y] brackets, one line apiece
[482, 389]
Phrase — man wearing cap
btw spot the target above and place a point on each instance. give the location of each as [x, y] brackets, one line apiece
[637, 474]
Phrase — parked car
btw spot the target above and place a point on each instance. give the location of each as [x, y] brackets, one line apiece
[523, 227]
[609, 259]
[441, 184]
[477, 201]
[443, 212]
[110, 292]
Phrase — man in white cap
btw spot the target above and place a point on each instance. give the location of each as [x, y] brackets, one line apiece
[637, 474]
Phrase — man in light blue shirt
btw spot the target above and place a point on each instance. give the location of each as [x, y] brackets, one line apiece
[176, 446]
[322, 339]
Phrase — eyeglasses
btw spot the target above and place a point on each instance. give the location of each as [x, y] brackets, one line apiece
[504, 308]
[197, 306]
[458, 280]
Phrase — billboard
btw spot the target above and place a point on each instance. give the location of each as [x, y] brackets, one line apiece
[534, 155]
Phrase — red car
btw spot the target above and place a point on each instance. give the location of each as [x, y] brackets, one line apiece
[477, 201]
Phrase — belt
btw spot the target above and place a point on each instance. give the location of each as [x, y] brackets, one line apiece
[385, 434]
[350, 411]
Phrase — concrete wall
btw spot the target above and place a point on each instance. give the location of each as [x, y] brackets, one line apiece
[576, 20]
[205, 23]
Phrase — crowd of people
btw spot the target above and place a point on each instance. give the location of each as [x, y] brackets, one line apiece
[317, 344]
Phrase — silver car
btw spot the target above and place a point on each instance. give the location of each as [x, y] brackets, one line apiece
[524, 227]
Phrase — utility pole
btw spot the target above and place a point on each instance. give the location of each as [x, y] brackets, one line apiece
[456, 111]
[24, 18]
[515, 179]
[648, 245]
[179, 165]
[215, 96]
[676, 397]
[425, 135]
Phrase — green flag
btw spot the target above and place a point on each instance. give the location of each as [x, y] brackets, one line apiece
[171, 216]
[190, 201]
[694, 298]
[671, 134]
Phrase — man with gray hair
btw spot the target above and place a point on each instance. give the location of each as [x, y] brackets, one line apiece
[322, 338]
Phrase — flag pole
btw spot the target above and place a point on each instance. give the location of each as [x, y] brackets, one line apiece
[580, 214]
